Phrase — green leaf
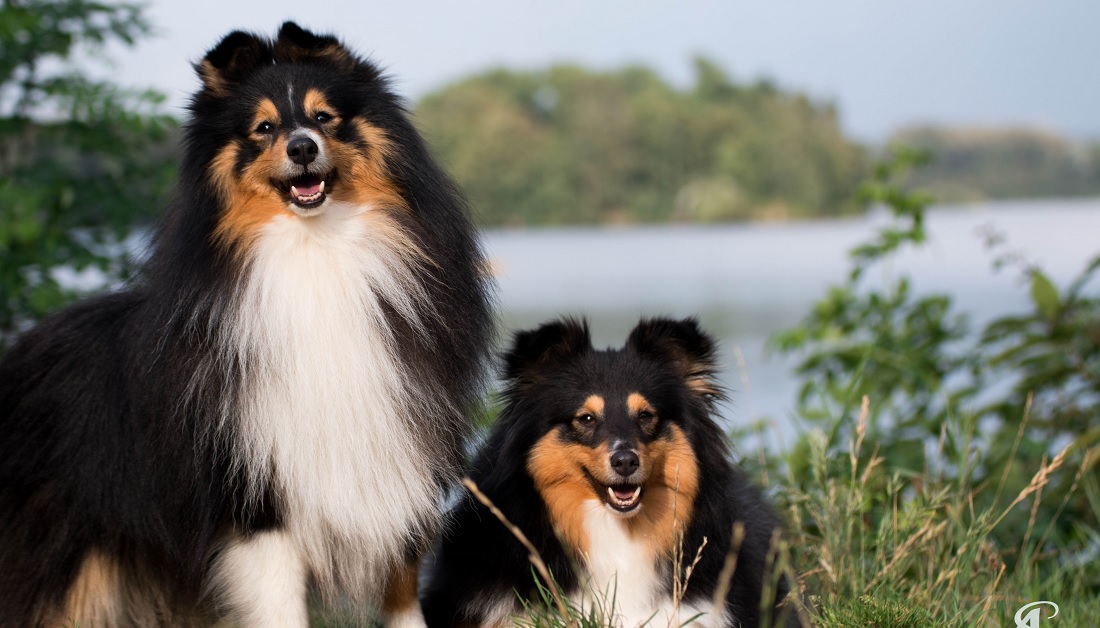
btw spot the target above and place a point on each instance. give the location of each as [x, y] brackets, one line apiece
[89, 160]
[1044, 295]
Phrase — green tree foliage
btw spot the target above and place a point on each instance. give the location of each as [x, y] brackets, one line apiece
[568, 145]
[81, 161]
[976, 164]
[987, 405]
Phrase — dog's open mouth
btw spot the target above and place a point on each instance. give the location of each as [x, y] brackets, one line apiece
[308, 190]
[624, 497]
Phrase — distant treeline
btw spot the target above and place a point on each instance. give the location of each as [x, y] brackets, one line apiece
[970, 164]
[569, 145]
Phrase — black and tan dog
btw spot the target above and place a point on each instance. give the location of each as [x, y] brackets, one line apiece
[604, 459]
[277, 404]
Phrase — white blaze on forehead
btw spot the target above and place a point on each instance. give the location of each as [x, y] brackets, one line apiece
[290, 96]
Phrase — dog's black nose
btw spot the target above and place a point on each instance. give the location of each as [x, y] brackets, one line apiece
[624, 462]
[302, 150]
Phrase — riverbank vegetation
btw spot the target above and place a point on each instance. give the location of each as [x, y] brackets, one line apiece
[948, 473]
[567, 145]
[570, 145]
[977, 164]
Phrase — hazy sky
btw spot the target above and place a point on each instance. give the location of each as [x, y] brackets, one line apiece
[885, 63]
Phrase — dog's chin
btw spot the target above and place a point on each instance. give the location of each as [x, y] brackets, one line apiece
[308, 211]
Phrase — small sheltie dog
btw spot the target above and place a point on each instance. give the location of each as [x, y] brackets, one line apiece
[273, 411]
[611, 463]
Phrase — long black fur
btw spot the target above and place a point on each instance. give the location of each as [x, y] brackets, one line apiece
[547, 372]
[109, 410]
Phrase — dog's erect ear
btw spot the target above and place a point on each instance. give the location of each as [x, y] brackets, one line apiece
[235, 57]
[551, 343]
[684, 346]
[297, 45]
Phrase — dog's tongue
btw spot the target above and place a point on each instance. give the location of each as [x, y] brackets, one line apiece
[308, 189]
[624, 494]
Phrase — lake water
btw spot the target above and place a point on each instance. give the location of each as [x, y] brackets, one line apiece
[745, 282]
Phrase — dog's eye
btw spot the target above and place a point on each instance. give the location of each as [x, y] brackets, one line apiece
[585, 420]
[322, 117]
[264, 128]
[646, 415]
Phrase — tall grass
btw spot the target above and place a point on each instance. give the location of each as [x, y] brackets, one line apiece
[881, 548]
[893, 528]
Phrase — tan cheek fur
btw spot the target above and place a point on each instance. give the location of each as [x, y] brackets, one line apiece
[670, 491]
[250, 200]
[557, 469]
[364, 179]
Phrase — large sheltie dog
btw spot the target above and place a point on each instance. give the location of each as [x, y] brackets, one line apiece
[276, 406]
[603, 459]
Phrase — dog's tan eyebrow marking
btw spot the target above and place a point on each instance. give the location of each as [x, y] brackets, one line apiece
[266, 111]
[593, 405]
[315, 102]
[637, 403]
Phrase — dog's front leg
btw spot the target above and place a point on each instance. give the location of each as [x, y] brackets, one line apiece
[261, 581]
[401, 606]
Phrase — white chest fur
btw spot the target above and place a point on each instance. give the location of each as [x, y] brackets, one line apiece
[624, 581]
[326, 403]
